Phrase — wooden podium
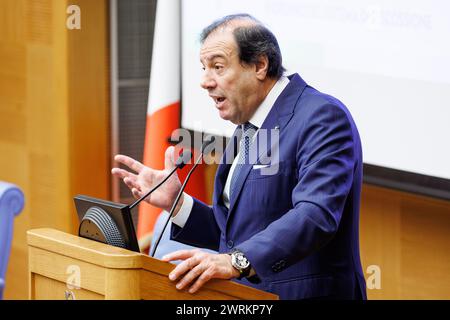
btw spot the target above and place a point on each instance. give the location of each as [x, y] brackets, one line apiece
[64, 266]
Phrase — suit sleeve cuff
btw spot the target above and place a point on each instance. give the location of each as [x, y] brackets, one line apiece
[184, 212]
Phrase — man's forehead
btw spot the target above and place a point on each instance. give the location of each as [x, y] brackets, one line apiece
[218, 45]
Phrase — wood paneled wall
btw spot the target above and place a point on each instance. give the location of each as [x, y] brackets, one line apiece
[54, 115]
[408, 238]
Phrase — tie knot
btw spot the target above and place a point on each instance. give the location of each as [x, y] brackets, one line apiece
[247, 126]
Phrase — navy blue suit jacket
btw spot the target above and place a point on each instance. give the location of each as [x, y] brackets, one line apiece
[298, 227]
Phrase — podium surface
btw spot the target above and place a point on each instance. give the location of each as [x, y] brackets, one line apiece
[65, 266]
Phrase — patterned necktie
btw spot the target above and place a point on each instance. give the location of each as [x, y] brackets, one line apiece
[244, 147]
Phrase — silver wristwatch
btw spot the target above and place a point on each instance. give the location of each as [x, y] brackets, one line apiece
[240, 262]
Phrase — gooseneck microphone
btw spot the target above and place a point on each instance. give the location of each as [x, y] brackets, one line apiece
[110, 222]
[208, 140]
[179, 164]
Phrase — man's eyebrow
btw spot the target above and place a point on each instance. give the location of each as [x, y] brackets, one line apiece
[214, 56]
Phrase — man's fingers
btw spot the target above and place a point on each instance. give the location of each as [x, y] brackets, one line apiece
[204, 277]
[121, 173]
[169, 158]
[190, 276]
[129, 162]
[136, 193]
[179, 255]
[128, 178]
[183, 267]
[198, 268]
[131, 182]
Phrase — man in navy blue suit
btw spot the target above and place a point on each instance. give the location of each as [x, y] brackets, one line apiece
[288, 225]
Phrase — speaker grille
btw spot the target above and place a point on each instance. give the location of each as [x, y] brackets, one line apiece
[105, 223]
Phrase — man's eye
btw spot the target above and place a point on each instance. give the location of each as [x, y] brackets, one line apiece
[218, 67]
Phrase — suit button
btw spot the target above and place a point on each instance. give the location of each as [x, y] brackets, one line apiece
[278, 266]
[230, 244]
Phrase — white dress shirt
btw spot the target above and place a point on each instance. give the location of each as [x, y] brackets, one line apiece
[257, 120]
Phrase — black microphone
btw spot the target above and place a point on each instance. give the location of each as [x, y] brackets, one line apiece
[208, 140]
[179, 164]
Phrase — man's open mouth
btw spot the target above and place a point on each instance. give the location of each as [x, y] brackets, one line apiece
[218, 99]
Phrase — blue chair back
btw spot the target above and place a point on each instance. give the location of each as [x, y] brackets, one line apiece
[11, 204]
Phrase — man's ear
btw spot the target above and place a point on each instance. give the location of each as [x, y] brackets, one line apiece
[262, 66]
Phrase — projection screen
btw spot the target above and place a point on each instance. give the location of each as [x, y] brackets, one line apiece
[387, 61]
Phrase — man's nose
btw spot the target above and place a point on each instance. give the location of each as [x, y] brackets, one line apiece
[207, 82]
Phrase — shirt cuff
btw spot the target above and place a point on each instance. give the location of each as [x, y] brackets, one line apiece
[184, 212]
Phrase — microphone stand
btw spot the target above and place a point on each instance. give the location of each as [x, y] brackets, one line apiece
[152, 254]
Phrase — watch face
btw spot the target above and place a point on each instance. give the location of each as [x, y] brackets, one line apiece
[240, 260]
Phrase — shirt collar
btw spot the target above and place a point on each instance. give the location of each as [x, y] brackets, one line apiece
[264, 108]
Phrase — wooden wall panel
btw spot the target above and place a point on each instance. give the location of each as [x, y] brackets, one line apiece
[54, 116]
[12, 21]
[88, 65]
[425, 249]
[408, 237]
